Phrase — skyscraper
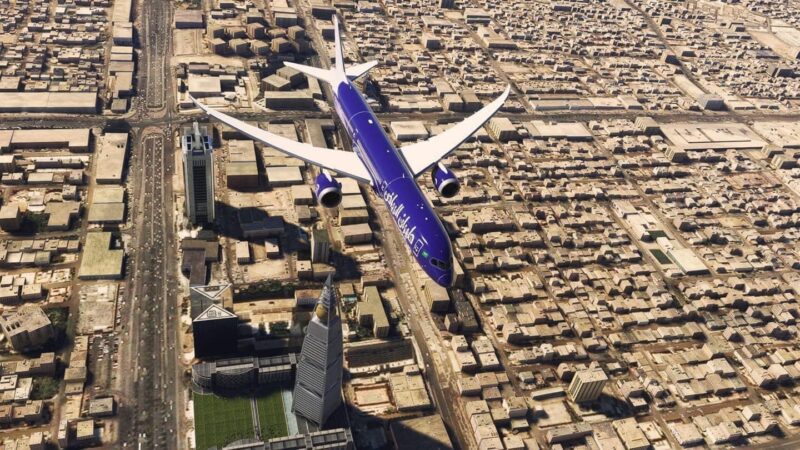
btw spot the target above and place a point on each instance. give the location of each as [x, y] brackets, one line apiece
[214, 332]
[198, 173]
[318, 384]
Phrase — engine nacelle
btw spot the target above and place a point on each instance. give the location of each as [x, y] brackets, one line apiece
[445, 181]
[328, 190]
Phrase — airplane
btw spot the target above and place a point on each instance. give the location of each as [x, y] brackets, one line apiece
[391, 172]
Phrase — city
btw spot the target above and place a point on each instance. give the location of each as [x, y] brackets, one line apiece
[625, 266]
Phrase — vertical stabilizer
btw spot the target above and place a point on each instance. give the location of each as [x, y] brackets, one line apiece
[339, 49]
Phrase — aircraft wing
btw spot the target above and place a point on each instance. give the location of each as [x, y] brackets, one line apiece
[344, 163]
[420, 156]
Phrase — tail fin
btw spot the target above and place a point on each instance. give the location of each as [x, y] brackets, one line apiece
[338, 73]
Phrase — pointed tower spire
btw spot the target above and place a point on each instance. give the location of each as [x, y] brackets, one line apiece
[326, 305]
[318, 383]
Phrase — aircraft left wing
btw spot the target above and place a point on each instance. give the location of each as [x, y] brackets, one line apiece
[420, 156]
[344, 163]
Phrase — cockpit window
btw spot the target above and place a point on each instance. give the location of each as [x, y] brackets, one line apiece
[440, 264]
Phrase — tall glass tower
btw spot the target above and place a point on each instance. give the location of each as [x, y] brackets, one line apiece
[198, 173]
[318, 386]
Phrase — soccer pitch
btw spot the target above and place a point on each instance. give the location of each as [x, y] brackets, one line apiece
[221, 420]
[271, 416]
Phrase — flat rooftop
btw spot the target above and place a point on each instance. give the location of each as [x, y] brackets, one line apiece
[71, 138]
[49, 102]
[712, 136]
[426, 433]
[111, 157]
[99, 261]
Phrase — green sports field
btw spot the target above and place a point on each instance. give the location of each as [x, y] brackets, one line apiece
[221, 420]
[271, 417]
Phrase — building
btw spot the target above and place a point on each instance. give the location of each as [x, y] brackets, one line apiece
[318, 384]
[201, 297]
[10, 217]
[111, 158]
[372, 314]
[243, 255]
[333, 439]
[73, 139]
[214, 332]
[27, 328]
[198, 174]
[437, 297]
[101, 407]
[238, 374]
[188, 18]
[49, 102]
[100, 261]
[587, 385]
[426, 432]
[241, 168]
[320, 246]
[84, 433]
[687, 261]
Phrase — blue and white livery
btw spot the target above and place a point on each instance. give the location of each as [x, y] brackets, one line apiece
[390, 171]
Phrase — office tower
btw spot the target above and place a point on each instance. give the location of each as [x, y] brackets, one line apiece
[201, 297]
[317, 390]
[320, 246]
[587, 385]
[198, 173]
[214, 332]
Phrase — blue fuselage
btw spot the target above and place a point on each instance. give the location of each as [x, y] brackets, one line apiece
[395, 184]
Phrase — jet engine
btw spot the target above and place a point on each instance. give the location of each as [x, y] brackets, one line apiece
[328, 190]
[445, 181]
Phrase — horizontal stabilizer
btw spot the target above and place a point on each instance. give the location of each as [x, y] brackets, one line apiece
[326, 75]
[359, 70]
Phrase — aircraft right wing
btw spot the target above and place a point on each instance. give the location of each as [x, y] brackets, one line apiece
[345, 163]
[420, 156]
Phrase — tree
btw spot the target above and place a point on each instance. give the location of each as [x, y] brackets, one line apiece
[44, 388]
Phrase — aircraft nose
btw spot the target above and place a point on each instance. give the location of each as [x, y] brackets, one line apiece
[446, 280]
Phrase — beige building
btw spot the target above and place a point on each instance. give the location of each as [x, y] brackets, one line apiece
[26, 328]
[371, 312]
[587, 385]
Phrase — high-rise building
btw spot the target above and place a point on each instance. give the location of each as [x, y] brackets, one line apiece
[201, 297]
[198, 173]
[587, 385]
[320, 246]
[318, 384]
[214, 332]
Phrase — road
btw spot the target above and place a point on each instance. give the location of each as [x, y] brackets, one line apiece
[150, 377]
[443, 393]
